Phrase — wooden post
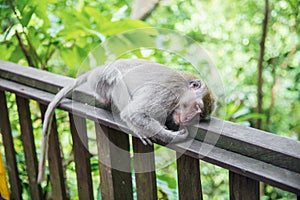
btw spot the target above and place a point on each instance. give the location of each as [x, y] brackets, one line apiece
[189, 181]
[10, 153]
[81, 157]
[144, 165]
[242, 187]
[29, 147]
[114, 164]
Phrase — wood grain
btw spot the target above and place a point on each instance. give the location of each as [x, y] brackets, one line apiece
[81, 157]
[189, 181]
[144, 166]
[29, 147]
[242, 187]
[10, 153]
[249, 152]
[114, 163]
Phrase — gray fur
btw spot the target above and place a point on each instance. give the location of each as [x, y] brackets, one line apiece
[143, 94]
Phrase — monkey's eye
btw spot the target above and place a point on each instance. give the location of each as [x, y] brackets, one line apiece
[195, 84]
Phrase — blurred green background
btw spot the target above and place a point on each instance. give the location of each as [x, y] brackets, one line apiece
[46, 34]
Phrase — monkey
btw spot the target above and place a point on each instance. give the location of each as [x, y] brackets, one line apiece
[154, 101]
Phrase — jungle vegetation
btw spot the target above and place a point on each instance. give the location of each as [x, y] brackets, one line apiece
[255, 45]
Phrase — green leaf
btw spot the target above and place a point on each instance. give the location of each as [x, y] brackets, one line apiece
[16, 55]
[21, 5]
[170, 180]
[117, 27]
[131, 40]
[41, 12]
[249, 116]
[96, 58]
[27, 14]
[7, 50]
[72, 56]
[97, 16]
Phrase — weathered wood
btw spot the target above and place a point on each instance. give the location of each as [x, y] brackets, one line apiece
[189, 181]
[55, 161]
[243, 165]
[270, 148]
[81, 157]
[30, 76]
[96, 114]
[29, 147]
[43, 80]
[114, 163]
[280, 151]
[144, 166]
[10, 153]
[258, 170]
[242, 187]
[249, 151]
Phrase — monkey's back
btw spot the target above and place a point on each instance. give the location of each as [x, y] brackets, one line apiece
[137, 72]
[154, 87]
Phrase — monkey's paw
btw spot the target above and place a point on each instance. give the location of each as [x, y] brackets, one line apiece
[180, 135]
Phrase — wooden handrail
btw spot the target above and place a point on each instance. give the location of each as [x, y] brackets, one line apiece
[246, 152]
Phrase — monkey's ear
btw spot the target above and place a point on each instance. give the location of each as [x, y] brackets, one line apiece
[195, 84]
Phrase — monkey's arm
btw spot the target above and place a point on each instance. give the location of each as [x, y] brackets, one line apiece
[146, 127]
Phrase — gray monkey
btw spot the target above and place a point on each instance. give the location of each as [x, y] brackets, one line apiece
[154, 101]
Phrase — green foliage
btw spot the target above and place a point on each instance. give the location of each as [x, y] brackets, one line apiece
[58, 36]
[231, 31]
[52, 32]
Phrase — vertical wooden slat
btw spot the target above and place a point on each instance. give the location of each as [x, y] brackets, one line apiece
[189, 181]
[10, 154]
[55, 162]
[81, 157]
[242, 187]
[29, 147]
[114, 164]
[144, 166]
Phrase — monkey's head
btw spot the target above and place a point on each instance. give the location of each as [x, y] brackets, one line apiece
[197, 102]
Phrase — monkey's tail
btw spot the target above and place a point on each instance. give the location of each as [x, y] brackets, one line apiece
[49, 117]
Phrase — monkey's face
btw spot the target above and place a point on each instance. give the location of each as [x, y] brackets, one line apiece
[187, 111]
[196, 104]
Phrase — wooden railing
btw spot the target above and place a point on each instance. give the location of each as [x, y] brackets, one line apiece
[250, 155]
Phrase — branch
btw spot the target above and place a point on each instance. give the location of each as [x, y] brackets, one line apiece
[275, 87]
[21, 43]
[276, 82]
[260, 64]
[142, 9]
[24, 49]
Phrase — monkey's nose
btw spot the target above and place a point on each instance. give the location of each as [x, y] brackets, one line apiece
[199, 108]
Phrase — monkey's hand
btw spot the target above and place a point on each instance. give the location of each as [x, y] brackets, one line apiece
[168, 136]
[165, 136]
[181, 135]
